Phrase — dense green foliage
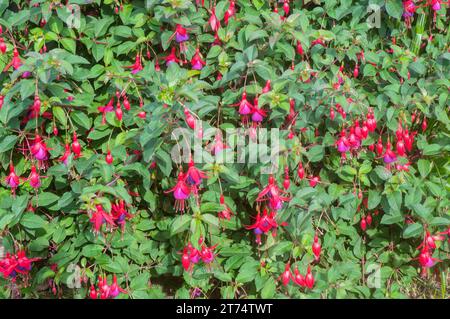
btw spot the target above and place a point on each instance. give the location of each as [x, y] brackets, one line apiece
[76, 61]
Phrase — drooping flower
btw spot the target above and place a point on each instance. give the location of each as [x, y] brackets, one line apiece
[245, 107]
[273, 194]
[19, 263]
[231, 11]
[100, 217]
[171, 58]
[137, 66]
[194, 176]
[389, 156]
[258, 114]
[197, 61]
[66, 154]
[12, 180]
[120, 214]
[213, 21]
[39, 149]
[309, 278]
[207, 254]
[181, 192]
[34, 178]
[263, 224]
[316, 248]
[181, 34]
[105, 109]
[76, 147]
[226, 213]
[217, 146]
[105, 291]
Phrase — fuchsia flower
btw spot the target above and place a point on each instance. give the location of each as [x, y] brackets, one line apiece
[264, 224]
[425, 257]
[181, 34]
[389, 156]
[181, 192]
[100, 217]
[190, 120]
[218, 146]
[286, 275]
[196, 61]
[120, 214]
[194, 176]
[16, 63]
[12, 179]
[11, 265]
[245, 107]
[104, 290]
[213, 21]
[343, 144]
[137, 66]
[266, 87]
[226, 213]
[35, 178]
[258, 114]
[409, 8]
[66, 154]
[105, 109]
[231, 11]
[316, 248]
[273, 194]
[171, 58]
[436, 5]
[192, 255]
[39, 149]
[207, 254]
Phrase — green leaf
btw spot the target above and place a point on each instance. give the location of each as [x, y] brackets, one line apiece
[69, 44]
[383, 173]
[33, 221]
[268, 291]
[82, 119]
[60, 115]
[373, 200]
[179, 224]
[394, 8]
[47, 198]
[7, 143]
[424, 167]
[413, 230]
[315, 154]
[389, 219]
[92, 250]
[211, 219]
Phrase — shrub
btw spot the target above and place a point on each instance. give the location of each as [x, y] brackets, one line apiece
[98, 98]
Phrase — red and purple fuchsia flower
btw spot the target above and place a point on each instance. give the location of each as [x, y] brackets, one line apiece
[105, 291]
[197, 62]
[181, 192]
[264, 224]
[120, 214]
[427, 246]
[100, 217]
[273, 194]
[12, 180]
[39, 149]
[192, 256]
[19, 263]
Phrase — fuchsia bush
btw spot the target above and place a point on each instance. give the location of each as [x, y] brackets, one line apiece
[94, 204]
